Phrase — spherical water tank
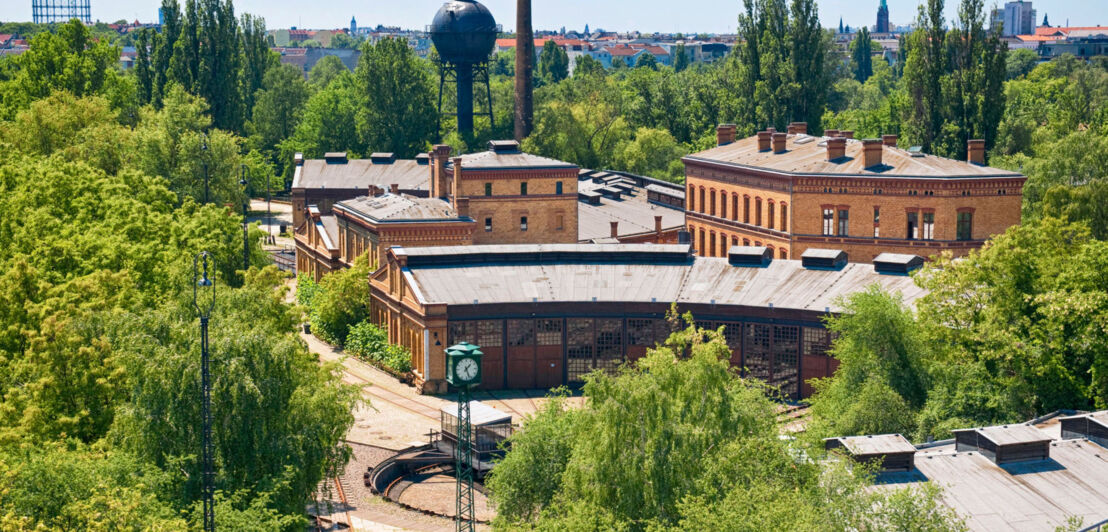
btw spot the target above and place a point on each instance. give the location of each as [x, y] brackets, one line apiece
[464, 31]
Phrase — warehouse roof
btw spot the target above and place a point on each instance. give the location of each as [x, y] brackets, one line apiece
[628, 273]
[507, 155]
[342, 173]
[399, 208]
[807, 155]
[633, 212]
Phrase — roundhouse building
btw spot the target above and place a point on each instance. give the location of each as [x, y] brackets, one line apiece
[545, 315]
[791, 191]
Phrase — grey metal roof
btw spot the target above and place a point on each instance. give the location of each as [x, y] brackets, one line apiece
[480, 414]
[1010, 434]
[878, 444]
[633, 212]
[465, 276]
[489, 160]
[399, 208]
[666, 190]
[817, 253]
[360, 174]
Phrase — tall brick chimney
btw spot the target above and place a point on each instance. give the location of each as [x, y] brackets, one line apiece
[836, 148]
[779, 142]
[725, 134]
[976, 152]
[439, 155]
[889, 140]
[765, 139]
[871, 152]
[615, 228]
[798, 128]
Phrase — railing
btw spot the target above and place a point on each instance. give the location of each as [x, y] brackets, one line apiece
[1098, 527]
[284, 259]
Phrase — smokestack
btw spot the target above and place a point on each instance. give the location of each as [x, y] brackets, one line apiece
[800, 128]
[976, 152]
[615, 229]
[779, 142]
[836, 148]
[889, 140]
[764, 140]
[725, 134]
[525, 59]
[872, 150]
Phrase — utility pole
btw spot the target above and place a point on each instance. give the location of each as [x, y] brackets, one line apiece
[204, 304]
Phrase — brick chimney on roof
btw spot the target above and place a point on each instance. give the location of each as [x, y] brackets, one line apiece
[832, 133]
[764, 140]
[871, 152]
[976, 152]
[394, 188]
[889, 140]
[615, 228]
[798, 128]
[658, 225]
[439, 155]
[836, 148]
[779, 142]
[725, 134]
[847, 134]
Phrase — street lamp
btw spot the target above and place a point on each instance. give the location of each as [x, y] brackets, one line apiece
[245, 233]
[268, 214]
[204, 303]
[204, 156]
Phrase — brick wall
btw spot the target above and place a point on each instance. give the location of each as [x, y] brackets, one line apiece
[551, 217]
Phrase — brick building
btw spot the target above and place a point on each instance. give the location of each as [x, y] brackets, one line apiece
[792, 191]
[324, 182]
[546, 315]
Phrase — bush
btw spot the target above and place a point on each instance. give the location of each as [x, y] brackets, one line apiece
[336, 303]
[369, 343]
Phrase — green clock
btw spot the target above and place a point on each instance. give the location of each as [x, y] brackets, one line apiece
[463, 365]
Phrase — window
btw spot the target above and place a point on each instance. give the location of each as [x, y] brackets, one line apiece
[522, 223]
[913, 226]
[735, 207]
[488, 225]
[521, 332]
[784, 217]
[488, 189]
[701, 203]
[712, 211]
[692, 198]
[558, 188]
[561, 222]
[746, 209]
[784, 254]
[549, 332]
[712, 245]
[746, 242]
[828, 222]
[523, 188]
[876, 222]
[844, 222]
[758, 211]
[722, 204]
[928, 225]
[701, 248]
[772, 215]
[965, 226]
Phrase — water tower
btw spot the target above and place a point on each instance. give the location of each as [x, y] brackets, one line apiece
[464, 33]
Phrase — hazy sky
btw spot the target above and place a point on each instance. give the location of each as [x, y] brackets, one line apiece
[714, 16]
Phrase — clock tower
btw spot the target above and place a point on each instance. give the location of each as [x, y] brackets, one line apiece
[463, 371]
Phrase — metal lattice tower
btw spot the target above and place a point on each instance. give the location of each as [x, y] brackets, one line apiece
[463, 464]
[203, 300]
[48, 11]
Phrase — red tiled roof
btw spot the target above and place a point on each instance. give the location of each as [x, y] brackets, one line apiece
[622, 50]
[5, 37]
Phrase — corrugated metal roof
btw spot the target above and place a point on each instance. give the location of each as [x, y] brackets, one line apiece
[784, 283]
[1010, 434]
[806, 155]
[633, 212]
[878, 444]
[361, 173]
[397, 208]
[490, 159]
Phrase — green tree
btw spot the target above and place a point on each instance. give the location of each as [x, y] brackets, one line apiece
[399, 113]
[587, 66]
[343, 41]
[861, 53]
[325, 70]
[653, 152]
[328, 123]
[553, 63]
[647, 60]
[1021, 62]
[680, 57]
[278, 108]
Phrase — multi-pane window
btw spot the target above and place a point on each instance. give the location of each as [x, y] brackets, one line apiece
[735, 207]
[772, 214]
[712, 245]
[523, 188]
[746, 209]
[784, 217]
[786, 360]
[521, 332]
[558, 187]
[488, 189]
[488, 225]
[692, 198]
[701, 202]
[913, 226]
[758, 212]
[756, 356]
[817, 342]
[712, 209]
[489, 333]
[609, 343]
[844, 222]
[548, 332]
[876, 222]
[522, 223]
[828, 222]
[640, 332]
[965, 226]
[928, 225]
[579, 348]
[722, 204]
[461, 331]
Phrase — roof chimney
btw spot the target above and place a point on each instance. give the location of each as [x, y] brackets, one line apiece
[298, 159]
[658, 225]
[457, 183]
[779, 142]
[871, 152]
[615, 228]
[976, 152]
[836, 148]
[394, 188]
[889, 140]
[798, 128]
[847, 134]
[831, 133]
[725, 134]
[764, 140]
[439, 156]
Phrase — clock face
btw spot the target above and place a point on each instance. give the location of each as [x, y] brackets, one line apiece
[466, 369]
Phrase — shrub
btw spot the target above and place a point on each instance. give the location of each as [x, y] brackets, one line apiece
[369, 343]
[338, 302]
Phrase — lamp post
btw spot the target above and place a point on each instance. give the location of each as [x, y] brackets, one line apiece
[204, 155]
[204, 303]
[268, 214]
[464, 372]
[245, 231]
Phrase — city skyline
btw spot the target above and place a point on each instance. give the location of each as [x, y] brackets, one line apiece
[693, 16]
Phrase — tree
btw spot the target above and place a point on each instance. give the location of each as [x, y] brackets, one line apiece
[587, 66]
[278, 108]
[653, 152]
[647, 60]
[325, 70]
[257, 58]
[328, 123]
[524, 72]
[399, 114]
[144, 74]
[343, 41]
[861, 51]
[680, 57]
[618, 63]
[553, 63]
[1021, 62]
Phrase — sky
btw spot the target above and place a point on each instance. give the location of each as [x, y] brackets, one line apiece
[687, 16]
